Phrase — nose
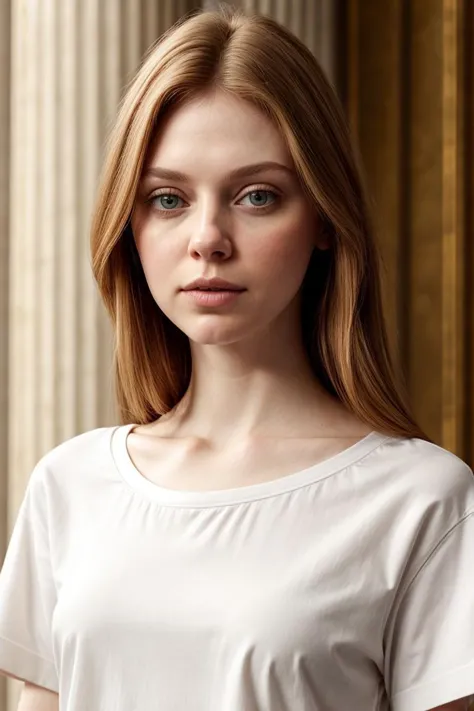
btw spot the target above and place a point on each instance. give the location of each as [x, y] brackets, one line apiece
[210, 238]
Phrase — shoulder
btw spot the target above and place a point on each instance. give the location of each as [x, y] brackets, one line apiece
[429, 467]
[419, 494]
[86, 451]
[421, 484]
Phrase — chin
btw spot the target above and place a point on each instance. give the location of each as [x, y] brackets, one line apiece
[215, 339]
[215, 334]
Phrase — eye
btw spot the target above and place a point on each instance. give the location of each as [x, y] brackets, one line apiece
[257, 193]
[169, 199]
[164, 201]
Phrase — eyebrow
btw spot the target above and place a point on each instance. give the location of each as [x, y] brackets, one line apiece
[158, 172]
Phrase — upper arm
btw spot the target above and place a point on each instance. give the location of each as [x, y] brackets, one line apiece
[429, 646]
[28, 592]
[36, 698]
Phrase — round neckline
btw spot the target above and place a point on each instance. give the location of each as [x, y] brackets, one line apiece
[241, 494]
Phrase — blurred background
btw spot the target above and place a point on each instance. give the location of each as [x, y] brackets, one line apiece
[404, 72]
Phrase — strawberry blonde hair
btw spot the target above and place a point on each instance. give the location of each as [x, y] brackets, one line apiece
[254, 58]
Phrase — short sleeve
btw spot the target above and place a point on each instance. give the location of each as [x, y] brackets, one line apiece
[429, 657]
[28, 594]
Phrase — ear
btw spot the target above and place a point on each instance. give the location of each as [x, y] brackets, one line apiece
[323, 234]
[323, 243]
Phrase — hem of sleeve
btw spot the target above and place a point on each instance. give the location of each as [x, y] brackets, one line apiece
[453, 685]
[27, 665]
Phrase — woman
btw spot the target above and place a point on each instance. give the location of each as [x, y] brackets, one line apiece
[268, 527]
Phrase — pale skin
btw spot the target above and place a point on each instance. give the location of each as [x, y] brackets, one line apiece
[254, 407]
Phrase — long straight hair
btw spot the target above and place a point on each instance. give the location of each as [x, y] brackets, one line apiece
[256, 59]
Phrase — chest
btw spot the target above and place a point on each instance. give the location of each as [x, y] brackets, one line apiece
[274, 591]
[265, 577]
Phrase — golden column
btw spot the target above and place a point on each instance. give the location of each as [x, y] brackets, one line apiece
[409, 93]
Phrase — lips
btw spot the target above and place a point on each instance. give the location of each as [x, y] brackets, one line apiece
[208, 298]
[212, 284]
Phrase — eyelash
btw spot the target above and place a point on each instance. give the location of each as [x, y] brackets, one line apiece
[258, 188]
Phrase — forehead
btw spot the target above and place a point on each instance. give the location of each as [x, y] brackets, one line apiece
[218, 128]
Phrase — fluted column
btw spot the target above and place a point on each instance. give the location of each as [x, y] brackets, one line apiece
[69, 62]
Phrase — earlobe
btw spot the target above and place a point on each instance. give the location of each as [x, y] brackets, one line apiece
[323, 241]
[323, 244]
[323, 234]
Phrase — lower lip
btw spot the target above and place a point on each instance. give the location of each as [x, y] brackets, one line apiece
[212, 298]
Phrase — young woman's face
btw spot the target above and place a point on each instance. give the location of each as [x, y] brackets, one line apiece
[257, 230]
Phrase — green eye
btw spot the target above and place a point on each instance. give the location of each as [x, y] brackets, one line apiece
[255, 194]
[258, 193]
[168, 197]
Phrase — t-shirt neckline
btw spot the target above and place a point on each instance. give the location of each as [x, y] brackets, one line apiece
[242, 494]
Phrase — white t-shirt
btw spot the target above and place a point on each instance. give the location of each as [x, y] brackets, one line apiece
[347, 585]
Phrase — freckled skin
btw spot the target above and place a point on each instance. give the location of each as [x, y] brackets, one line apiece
[250, 373]
[268, 252]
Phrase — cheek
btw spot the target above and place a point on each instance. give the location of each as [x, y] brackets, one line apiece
[157, 254]
[285, 253]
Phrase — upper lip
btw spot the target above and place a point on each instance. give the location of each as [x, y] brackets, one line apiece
[214, 283]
